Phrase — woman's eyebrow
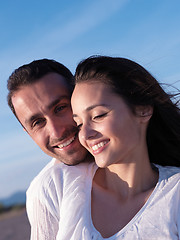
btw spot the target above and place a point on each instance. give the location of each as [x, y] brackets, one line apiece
[95, 106]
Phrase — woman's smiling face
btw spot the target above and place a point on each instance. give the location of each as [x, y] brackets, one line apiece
[107, 126]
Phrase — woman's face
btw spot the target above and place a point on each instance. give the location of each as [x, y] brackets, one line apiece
[107, 127]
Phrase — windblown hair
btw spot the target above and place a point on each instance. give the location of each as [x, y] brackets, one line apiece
[139, 88]
[32, 72]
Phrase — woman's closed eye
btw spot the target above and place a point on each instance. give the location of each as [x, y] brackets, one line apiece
[100, 116]
[91, 119]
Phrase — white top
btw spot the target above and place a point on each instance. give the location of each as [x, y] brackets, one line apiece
[59, 206]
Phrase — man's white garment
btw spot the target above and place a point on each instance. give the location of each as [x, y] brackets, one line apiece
[59, 206]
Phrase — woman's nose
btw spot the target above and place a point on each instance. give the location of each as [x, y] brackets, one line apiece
[87, 132]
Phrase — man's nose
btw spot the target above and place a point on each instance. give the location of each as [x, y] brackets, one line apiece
[56, 128]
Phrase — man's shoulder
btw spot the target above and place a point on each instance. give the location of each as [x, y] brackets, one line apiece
[46, 169]
[44, 177]
[54, 174]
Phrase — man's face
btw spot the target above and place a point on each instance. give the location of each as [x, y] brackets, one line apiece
[44, 109]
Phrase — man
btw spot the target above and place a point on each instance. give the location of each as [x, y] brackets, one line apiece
[39, 96]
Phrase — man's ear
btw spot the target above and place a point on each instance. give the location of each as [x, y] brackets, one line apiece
[144, 112]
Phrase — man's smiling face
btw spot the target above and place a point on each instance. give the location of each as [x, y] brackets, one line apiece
[44, 110]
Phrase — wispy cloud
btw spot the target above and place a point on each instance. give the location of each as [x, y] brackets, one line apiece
[58, 35]
[92, 15]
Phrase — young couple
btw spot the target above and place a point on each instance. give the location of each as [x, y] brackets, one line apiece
[128, 123]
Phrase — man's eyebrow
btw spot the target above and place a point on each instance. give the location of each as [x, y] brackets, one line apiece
[56, 101]
[32, 118]
[91, 108]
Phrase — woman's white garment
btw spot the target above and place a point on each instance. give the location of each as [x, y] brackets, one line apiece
[59, 206]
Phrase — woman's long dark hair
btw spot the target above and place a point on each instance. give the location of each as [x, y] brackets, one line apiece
[139, 88]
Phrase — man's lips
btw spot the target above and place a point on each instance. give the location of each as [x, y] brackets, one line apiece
[65, 143]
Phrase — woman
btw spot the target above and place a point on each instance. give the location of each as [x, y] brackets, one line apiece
[132, 128]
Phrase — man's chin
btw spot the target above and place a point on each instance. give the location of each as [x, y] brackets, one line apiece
[73, 158]
[70, 161]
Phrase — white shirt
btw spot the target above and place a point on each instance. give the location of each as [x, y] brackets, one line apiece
[59, 206]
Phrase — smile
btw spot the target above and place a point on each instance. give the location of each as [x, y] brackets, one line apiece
[99, 145]
[65, 144]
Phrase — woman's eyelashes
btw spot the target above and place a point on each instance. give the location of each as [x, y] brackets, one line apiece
[100, 116]
[95, 118]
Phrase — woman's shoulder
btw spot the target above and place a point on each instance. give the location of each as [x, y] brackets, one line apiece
[169, 171]
[169, 177]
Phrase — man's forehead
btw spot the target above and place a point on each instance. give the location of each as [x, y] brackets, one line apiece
[54, 79]
[52, 85]
[55, 101]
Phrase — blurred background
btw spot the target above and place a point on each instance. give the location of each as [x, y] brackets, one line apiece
[69, 31]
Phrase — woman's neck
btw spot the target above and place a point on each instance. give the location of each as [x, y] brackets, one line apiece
[127, 179]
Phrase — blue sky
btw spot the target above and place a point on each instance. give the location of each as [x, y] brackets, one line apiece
[69, 31]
